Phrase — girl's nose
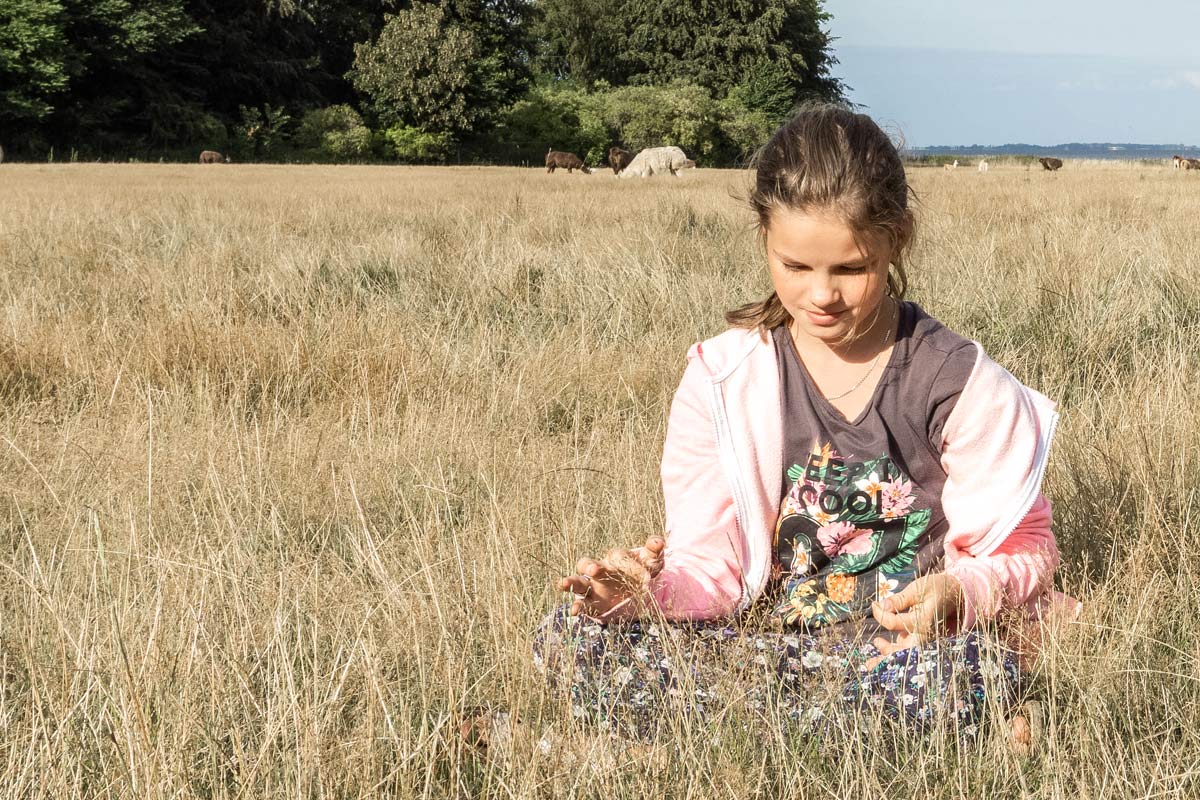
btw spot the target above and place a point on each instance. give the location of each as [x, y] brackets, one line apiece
[825, 292]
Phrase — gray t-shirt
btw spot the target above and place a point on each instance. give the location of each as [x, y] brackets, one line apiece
[861, 515]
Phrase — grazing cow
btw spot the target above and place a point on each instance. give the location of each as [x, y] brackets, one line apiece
[983, 165]
[1050, 164]
[1191, 163]
[618, 159]
[656, 161]
[568, 161]
[212, 157]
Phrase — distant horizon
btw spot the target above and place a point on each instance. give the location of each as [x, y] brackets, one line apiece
[1023, 71]
[1099, 151]
[1112, 146]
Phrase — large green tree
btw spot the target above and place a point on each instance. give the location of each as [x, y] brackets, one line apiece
[449, 66]
[418, 71]
[61, 60]
[581, 40]
[33, 60]
[115, 77]
[718, 44]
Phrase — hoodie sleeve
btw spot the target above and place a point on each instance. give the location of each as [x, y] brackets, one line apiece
[995, 445]
[1015, 575]
[702, 572]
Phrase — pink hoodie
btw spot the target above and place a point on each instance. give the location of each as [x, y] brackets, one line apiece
[723, 461]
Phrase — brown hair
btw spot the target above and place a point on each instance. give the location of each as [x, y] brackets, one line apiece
[827, 158]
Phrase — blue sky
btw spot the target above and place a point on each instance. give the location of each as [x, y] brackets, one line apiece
[944, 72]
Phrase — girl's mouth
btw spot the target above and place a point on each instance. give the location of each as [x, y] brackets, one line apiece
[824, 320]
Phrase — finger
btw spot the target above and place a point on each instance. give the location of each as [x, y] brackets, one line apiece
[903, 599]
[885, 648]
[652, 555]
[587, 566]
[901, 623]
[576, 584]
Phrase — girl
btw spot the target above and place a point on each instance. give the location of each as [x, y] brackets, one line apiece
[839, 462]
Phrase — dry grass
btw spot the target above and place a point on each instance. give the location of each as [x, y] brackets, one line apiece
[290, 455]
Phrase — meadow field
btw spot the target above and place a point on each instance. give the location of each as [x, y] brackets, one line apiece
[290, 456]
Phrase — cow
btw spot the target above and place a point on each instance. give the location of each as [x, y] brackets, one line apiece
[618, 159]
[1191, 163]
[1177, 162]
[1050, 164]
[656, 161]
[568, 161]
[983, 165]
[212, 157]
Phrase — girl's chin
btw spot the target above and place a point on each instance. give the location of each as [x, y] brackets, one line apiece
[826, 330]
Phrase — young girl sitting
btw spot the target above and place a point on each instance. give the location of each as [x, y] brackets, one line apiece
[864, 479]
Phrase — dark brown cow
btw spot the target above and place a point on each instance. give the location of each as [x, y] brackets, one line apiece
[618, 159]
[1050, 163]
[212, 157]
[568, 161]
[1191, 163]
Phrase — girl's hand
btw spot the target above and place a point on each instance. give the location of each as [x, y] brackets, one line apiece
[919, 612]
[617, 586]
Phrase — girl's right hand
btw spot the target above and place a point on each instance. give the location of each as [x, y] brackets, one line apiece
[617, 586]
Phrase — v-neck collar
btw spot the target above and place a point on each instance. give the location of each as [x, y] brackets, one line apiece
[902, 313]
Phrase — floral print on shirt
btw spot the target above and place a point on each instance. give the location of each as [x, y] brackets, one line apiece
[847, 534]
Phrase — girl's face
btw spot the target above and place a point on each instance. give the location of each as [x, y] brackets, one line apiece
[830, 286]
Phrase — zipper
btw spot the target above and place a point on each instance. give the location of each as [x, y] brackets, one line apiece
[740, 501]
[1042, 458]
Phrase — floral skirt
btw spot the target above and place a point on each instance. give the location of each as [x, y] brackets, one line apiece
[626, 675]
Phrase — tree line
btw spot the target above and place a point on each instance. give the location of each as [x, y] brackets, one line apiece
[365, 80]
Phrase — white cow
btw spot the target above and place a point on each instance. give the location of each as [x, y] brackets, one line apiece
[983, 165]
[657, 161]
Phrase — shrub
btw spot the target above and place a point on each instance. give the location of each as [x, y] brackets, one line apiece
[262, 134]
[335, 133]
[413, 144]
[653, 116]
[561, 118]
[743, 131]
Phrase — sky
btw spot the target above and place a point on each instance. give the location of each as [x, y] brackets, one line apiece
[948, 72]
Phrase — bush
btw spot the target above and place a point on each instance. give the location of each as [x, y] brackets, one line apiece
[565, 117]
[743, 131]
[653, 116]
[413, 144]
[262, 133]
[336, 133]
[556, 118]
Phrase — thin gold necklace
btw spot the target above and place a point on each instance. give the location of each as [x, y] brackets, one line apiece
[887, 334]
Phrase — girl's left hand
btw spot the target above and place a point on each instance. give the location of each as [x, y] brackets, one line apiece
[918, 612]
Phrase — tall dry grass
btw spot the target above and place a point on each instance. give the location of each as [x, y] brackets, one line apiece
[291, 454]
